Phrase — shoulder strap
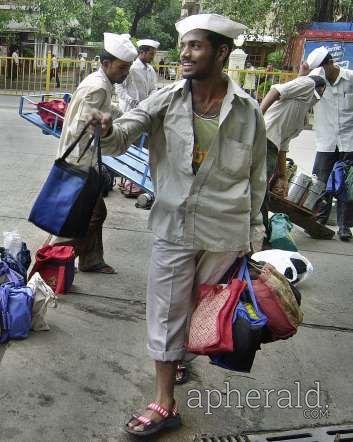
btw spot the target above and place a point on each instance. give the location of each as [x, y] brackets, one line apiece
[74, 144]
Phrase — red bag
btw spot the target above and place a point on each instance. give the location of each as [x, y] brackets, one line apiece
[58, 106]
[211, 326]
[56, 265]
[277, 301]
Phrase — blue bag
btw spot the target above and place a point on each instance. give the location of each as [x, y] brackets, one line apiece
[65, 204]
[336, 183]
[21, 263]
[9, 275]
[249, 329]
[15, 312]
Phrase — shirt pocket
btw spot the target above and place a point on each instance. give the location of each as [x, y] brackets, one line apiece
[348, 101]
[234, 158]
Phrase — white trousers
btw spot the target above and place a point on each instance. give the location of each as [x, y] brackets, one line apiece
[174, 274]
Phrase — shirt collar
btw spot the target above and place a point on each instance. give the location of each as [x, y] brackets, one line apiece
[233, 88]
[105, 78]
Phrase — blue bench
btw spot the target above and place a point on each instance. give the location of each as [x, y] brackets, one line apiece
[132, 165]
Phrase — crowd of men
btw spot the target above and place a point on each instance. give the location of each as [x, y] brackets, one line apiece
[212, 156]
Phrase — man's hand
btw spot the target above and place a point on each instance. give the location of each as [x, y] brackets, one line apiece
[104, 119]
[304, 69]
[280, 187]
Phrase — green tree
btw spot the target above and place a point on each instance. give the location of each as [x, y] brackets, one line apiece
[282, 17]
[161, 25]
[120, 24]
[137, 10]
[58, 18]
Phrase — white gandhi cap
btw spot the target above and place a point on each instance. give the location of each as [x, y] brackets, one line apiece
[148, 42]
[316, 57]
[210, 22]
[120, 46]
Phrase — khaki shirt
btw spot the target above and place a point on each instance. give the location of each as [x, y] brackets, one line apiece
[94, 92]
[139, 84]
[219, 208]
[285, 119]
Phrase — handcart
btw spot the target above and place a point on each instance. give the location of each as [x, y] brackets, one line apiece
[133, 165]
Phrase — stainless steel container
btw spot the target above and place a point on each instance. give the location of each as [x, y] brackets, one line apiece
[298, 186]
[315, 192]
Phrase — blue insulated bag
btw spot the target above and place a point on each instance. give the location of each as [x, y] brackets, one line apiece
[15, 312]
[65, 204]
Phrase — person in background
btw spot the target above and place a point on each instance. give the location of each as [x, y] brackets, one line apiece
[208, 166]
[15, 63]
[54, 70]
[249, 85]
[333, 124]
[96, 63]
[285, 107]
[95, 92]
[142, 80]
[161, 68]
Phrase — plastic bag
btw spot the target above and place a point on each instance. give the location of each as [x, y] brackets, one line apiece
[43, 297]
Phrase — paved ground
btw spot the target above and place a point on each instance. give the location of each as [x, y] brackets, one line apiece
[82, 379]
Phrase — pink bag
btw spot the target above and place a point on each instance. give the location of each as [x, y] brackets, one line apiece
[211, 326]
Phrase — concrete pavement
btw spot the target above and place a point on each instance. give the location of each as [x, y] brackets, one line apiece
[81, 380]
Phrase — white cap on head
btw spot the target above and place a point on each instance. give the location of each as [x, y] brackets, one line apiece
[316, 57]
[210, 22]
[120, 46]
[148, 42]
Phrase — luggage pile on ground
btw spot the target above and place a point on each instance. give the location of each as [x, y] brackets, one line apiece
[23, 305]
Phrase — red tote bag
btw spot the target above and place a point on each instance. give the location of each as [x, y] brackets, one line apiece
[211, 326]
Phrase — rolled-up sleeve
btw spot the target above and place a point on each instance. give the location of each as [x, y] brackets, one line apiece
[258, 179]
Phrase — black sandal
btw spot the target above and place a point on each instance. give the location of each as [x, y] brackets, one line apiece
[171, 420]
[182, 374]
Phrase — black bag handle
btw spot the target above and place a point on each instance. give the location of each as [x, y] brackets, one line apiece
[74, 144]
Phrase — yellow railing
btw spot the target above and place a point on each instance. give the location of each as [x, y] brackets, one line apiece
[33, 75]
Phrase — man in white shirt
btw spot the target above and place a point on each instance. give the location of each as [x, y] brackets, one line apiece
[208, 161]
[142, 79]
[285, 108]
[95, 92]
[333, 131]
[15, 63]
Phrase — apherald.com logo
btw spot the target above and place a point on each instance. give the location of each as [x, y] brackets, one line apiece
[309, 400]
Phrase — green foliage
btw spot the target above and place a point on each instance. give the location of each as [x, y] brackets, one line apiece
[102, 13]
[161, 25]
[59, 18]
[120, 24]
[174, 55]
[276, 58]
[280, 17]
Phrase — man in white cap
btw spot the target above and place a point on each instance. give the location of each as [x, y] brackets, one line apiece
[208, 164]
[285, 108]
[95, 92]
[142, 79]
[333, 124]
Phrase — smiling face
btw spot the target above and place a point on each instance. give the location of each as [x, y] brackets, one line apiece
[199, 59]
